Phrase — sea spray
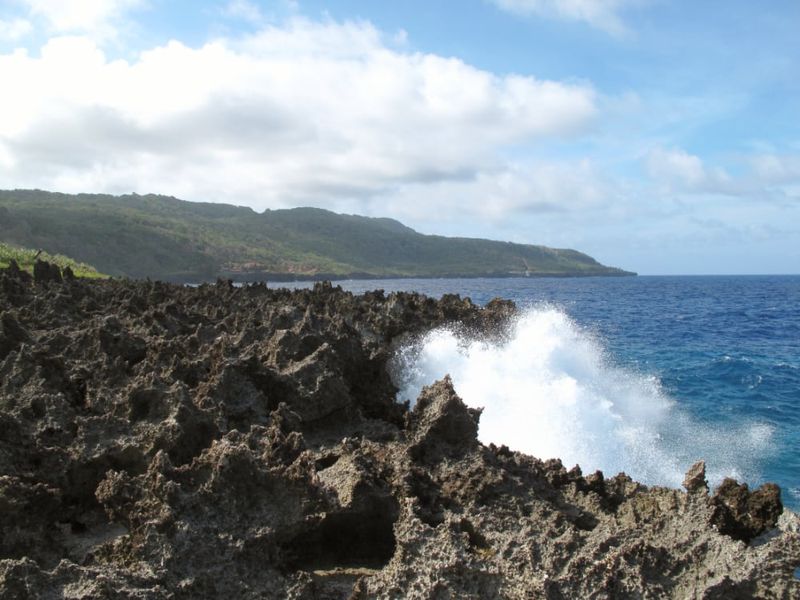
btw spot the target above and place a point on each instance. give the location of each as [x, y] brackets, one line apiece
[550, 390]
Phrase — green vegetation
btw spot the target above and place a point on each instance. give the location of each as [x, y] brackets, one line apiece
[26, 258]
[167, 238]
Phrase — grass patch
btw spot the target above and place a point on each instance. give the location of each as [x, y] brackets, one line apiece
[26, 258]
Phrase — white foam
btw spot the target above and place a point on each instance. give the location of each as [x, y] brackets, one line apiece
[550, 391]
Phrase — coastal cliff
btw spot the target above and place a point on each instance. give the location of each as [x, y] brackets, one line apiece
[160, 441]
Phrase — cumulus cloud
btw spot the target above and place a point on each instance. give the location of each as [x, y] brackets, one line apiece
[602, 14]
[305, 113]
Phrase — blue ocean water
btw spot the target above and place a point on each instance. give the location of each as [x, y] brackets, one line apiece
[713, 361]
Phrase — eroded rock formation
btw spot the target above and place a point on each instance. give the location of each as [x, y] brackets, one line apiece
[158, 441]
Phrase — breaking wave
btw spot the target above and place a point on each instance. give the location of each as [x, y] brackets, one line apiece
[550, 390]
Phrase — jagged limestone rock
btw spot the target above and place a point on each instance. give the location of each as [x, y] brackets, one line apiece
[166, 442]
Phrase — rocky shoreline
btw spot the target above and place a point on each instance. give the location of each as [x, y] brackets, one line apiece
[256, 276]
[160, 441]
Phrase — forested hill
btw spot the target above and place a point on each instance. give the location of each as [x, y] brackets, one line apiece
[166, 238]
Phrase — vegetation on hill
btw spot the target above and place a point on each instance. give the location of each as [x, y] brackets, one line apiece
[26, 258]
[166, 238]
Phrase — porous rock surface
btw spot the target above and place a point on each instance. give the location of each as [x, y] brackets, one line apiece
[159, 441]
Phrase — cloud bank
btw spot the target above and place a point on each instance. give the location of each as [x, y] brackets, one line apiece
[290, 115]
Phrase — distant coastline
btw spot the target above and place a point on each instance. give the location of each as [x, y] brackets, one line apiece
[161, 237]
[289, 277]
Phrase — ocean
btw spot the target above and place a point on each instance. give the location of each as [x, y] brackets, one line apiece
[643, 374]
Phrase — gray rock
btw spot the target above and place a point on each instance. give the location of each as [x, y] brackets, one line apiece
[695, 480]
[165, 442]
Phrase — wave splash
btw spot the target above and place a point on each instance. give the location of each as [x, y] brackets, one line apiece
[550, 390]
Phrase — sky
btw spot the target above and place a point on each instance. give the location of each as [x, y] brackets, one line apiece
[660, 136]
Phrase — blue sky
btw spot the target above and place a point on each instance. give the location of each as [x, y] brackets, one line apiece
[659, 136]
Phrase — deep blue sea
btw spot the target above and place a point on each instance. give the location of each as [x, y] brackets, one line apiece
[641, 374]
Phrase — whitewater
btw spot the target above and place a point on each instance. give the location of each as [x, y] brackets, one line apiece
[637, 374]
[551, 389]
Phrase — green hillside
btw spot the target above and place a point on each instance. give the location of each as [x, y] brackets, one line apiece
[166, 238]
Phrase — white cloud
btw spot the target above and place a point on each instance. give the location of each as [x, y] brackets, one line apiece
[96, 17]
[776, 168]
[307, 113]
[773, 178]
[14, 29]
[676, 165]
[499, 199]
[602, 14]
[677, 168]
[245, 10]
